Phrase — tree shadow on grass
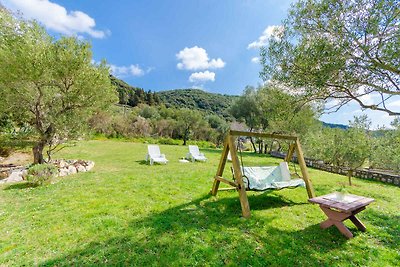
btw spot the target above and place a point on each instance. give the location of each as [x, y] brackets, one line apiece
[22, 185]
[207, 231]
[387, 227]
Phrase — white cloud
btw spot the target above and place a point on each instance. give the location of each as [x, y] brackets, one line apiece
[272, 31]
[394, 104]
[56, 17]
[255, 60]
[202, 76]
[131, 70]
[196, 58]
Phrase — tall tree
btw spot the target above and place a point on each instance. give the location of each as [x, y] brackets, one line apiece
[49, 84]
[187, 122]
[342, 49]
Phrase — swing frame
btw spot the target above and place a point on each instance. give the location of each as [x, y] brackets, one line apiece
[229, 146]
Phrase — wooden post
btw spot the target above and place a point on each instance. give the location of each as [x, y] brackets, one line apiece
[221, 166]
[289, 155]
[303, 167]
[244, 202]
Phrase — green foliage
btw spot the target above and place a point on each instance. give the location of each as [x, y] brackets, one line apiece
[49, 84]
[271, 109]
[386, 151]
[198, 100]
[247, 108]
[158, 121]
[40, 174]
[347, 148]
[5, 151]
[126, 213]
[133, 96]
[338, 49]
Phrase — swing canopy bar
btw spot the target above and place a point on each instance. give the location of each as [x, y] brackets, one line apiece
[263, 135]
[241, 181]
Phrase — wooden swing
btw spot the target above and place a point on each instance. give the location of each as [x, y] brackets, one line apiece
[238, 183]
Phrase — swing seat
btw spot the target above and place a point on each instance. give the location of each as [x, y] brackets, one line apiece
[269, 177]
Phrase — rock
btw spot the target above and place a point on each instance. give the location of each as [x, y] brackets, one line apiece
[62, 163]
[15, 176]
[89, 165]
[71, 170]
[80, 168]
[63, 172]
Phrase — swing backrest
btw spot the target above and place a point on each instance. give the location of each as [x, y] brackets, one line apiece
[269, 177]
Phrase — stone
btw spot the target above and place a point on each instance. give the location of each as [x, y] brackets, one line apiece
[80, 168]
[62, 163]
[89, 165]
[63, 172]
[15, 176]
[71, 170]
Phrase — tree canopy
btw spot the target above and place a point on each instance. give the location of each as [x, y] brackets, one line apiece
[339, 49]
[51, 85]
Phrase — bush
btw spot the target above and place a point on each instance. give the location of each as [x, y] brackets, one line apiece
[41, 173]
[5, 152]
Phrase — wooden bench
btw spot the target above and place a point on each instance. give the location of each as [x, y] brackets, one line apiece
[340, 207]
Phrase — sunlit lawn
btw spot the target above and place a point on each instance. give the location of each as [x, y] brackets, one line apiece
[125, 212]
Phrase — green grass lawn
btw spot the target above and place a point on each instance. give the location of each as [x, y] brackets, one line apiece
[125, 212]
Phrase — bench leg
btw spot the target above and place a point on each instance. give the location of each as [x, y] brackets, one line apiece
[358, 223]
[336, 218]
[326, 224]
[343, 229]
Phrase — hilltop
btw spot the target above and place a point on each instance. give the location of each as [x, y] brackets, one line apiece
[198, 99]
[210, 103]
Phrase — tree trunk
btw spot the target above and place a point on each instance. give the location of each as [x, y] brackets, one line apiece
[349, 175]
[252, 143]
[38, 153]
[185, 136]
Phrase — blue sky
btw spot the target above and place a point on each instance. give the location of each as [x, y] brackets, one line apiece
[161, 45]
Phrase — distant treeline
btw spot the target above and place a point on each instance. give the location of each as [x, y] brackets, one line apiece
[194, 99]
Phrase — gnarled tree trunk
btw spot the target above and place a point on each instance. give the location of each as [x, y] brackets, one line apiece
[38, 152]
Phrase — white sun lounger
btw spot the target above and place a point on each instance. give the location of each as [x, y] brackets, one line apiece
[194, 154]
[154, 155]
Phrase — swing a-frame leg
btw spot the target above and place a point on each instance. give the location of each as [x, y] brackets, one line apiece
[229, 145]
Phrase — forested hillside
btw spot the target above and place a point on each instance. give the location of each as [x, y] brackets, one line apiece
[133, 96]
[210, 103]
[198, 99]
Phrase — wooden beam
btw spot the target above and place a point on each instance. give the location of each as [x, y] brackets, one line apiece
[263, 135]
[304, 172]
[227, 189]
[290, 153]
[244, 202]
[222, 179]
[221, 166]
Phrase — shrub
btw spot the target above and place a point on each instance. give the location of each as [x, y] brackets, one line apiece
[168, 141]
[5, 152]
[41, 173]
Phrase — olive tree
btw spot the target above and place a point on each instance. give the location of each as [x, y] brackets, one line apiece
[338, 49]
[52, 85]
[271, 109]
[341, 148]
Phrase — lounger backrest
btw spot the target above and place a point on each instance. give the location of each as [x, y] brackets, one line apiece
[284, 171]
[194, 150]
[154, 150]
